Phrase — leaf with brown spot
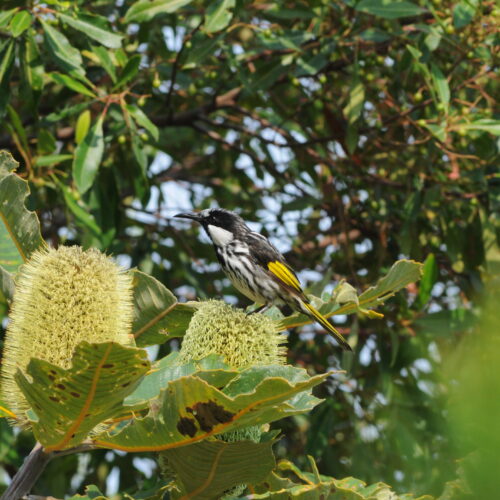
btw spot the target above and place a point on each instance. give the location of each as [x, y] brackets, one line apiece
[85, 394]
[255, 396]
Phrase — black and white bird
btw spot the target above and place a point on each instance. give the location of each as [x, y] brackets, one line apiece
[255, 267]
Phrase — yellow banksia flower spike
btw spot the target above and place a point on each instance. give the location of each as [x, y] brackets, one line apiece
[243, 340]
[62, 298]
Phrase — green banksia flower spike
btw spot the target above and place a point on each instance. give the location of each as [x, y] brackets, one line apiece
[63, 297]
[242, 339]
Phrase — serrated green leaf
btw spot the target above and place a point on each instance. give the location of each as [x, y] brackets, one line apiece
[219, 15]
[206, 470]
[70, 403]
[212, 369]
[88, 156]
[158, 315]
[20, 23]
[92, 30]
[82, 126]
[143, 121]
[402, 273]
[389, 9]
[189, 410]
[144, 10]
[129, 71]
[19, 228]
[71, 83]
[63, 53]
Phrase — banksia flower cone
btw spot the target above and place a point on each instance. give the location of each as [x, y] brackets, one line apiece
[63, 297]
[241, 339]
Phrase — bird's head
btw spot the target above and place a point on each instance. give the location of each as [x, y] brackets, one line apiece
[221, 225]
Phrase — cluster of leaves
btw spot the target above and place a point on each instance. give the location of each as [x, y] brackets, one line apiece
[356, 132]
[112, 397]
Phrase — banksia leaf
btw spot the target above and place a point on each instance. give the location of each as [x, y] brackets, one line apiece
[62, 298]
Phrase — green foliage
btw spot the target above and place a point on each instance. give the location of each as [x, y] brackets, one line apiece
[68, 404]
[355, 134]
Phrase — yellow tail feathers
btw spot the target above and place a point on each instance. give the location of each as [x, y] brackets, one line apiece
[317, 316]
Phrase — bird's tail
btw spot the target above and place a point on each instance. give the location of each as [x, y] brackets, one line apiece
[313, 313]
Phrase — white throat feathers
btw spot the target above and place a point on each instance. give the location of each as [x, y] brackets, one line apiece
[221, 237]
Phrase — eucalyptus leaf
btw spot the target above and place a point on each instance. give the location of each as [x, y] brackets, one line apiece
[88, 156]
[144, 10]
[92, 30]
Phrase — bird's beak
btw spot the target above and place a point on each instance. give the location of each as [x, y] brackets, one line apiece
[189, 215]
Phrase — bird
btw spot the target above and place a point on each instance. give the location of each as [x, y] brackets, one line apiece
[255, 267]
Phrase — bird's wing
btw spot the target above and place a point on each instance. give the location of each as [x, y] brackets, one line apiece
[268, 257]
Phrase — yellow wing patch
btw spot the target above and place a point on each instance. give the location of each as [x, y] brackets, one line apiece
[282, 272]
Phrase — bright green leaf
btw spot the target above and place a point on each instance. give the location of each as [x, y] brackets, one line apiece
[71, 83]
[92, 30]
[389, 9]
[219, 15]
[69, 403]
[211, 369]
[6, 16]
[401, 274]
[20, 23]
[50, 160]
[488, 125]
[88, 156]
[158, 315]
[19, 228]
[430, 275]
[144, 10]
[82, 126]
